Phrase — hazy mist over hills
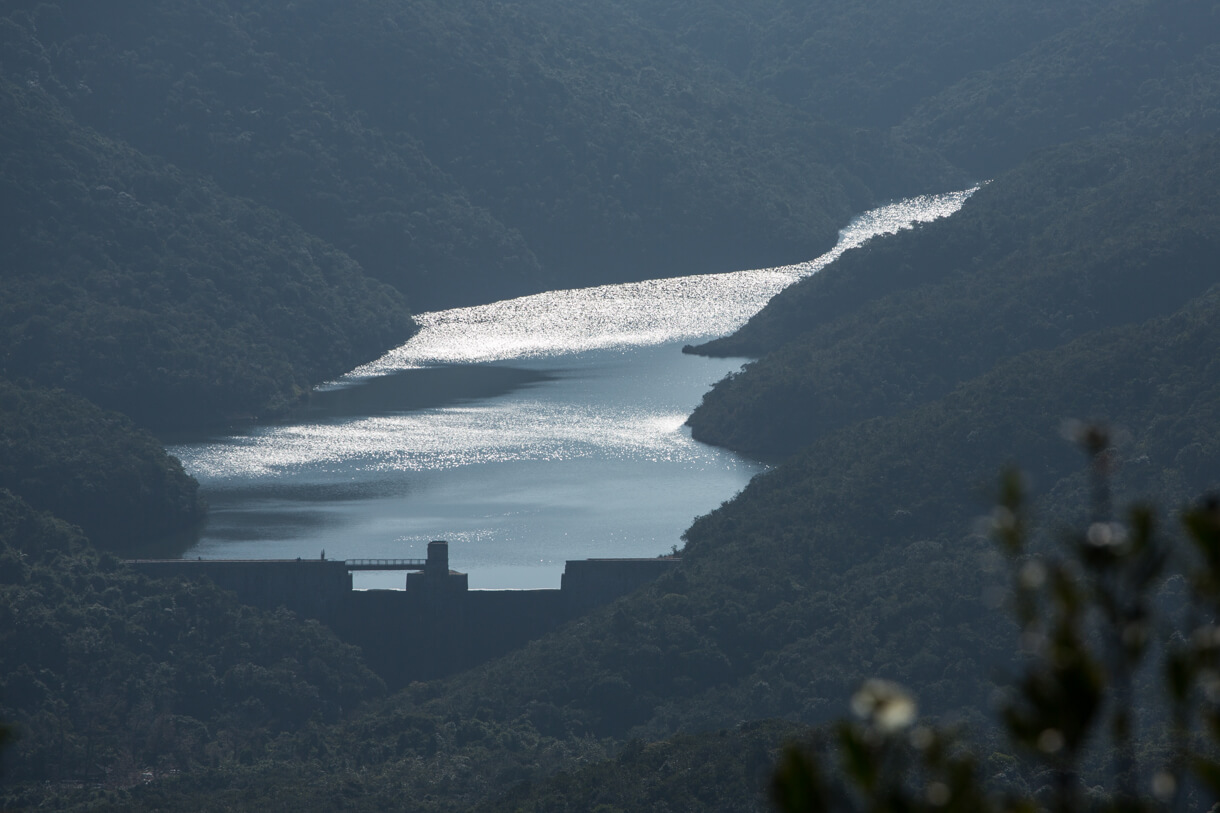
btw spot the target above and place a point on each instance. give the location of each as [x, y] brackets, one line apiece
[208, 208]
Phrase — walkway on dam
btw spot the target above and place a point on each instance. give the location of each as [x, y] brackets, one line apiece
[348, 564]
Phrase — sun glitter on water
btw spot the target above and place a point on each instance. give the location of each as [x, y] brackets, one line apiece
[632, 314]
[551, 324]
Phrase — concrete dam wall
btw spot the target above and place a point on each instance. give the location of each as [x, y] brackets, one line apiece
[437, 625]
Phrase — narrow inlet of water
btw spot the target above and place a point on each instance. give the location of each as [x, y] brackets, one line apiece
[526, 432]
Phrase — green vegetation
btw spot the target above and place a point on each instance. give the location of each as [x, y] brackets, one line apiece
[857, 558]
[106, 675]
[1137, 69]
[1080, 238]
[92, 468]
[196, 199]
[865, 64]
[722, 771]
[466, 150]
[153, 293]
[205, 209]
[1091, 620]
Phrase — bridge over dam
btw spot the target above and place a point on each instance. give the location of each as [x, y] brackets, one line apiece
[434, 627]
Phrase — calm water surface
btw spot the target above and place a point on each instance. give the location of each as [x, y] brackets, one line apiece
[526, 432]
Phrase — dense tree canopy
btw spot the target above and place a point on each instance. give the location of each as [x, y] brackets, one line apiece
[151, 292]
[208, 208]
[1080, 238]
[106, 674]
[92, 468]
[467, 151]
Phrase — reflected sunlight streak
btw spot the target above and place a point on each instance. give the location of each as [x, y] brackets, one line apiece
[631, 314]
[451, 437]
[649, 313]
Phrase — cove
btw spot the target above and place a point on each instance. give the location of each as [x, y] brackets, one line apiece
[526, 432]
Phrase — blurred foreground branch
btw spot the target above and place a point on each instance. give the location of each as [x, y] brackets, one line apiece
[1088, 621]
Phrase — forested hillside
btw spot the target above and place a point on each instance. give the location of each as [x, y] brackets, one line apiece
[471, 151]
[1082, 237]
[207, 208]
[868, 64]
[67, 457]
[860, 556]
[155, 293]
[197, 197]
[1139, 69]
[109, 675]
[467, 151]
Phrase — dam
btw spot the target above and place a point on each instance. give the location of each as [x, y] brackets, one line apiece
[436, 625]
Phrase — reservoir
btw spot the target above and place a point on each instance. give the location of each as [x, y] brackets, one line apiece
[526, 432]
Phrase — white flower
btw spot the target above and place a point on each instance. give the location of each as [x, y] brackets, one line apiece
[884, 704]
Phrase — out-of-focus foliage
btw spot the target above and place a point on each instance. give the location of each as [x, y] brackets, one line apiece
[858, 557]
[1090, 618]
[194, 194]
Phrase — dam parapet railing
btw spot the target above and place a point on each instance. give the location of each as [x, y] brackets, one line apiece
[437, 625]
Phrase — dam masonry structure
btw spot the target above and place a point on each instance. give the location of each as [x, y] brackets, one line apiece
[437, 625]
